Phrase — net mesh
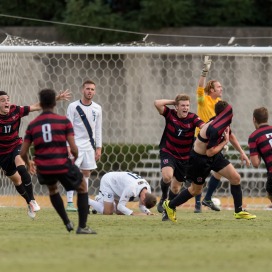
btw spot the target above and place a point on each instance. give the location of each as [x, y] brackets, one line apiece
[127, 85]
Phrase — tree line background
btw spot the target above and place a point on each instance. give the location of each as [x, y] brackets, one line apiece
[133, 16]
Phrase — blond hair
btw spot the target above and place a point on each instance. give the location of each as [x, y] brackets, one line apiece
[181, 97]
[209, 86]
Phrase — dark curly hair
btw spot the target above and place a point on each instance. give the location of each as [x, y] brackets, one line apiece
[47, 98]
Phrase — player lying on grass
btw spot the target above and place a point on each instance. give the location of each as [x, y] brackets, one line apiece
[117, 189]
[206, 156]
[49, 133]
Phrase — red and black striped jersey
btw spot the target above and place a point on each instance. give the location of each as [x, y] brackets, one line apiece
[260, 143]
[49, 132]
[9, 128]
[178, 135]
[217, 127]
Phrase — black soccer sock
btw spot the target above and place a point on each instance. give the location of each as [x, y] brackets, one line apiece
[57, 203]
[171, 195]
[83, 209]
[198, 200]
[237, 195]
[164, 189]
[21, 190]
[181, 198]
[212, 185]
[26, 180]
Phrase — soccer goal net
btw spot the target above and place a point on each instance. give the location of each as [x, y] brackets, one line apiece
[128, 79]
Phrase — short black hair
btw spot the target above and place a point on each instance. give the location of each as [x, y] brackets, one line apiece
[220, 106]
[47, 98]
[3, 93]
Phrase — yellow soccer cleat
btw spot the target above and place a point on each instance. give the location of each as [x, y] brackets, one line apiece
[244, 215]
[170, 212]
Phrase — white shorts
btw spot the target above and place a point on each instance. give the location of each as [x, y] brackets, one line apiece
[105, 190]
[86, 160]
[100, 199]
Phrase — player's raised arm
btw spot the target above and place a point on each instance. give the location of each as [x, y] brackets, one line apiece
[202, 80]
[62, 95]
[161, 103]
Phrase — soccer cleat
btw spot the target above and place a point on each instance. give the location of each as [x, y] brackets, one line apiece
[85, 230]
[70, 207]
[159, 206]
[211, 205]
[30, 211]
[197, 209]
[244, 215]
[35, 205]
[165, 216]
[70, 226]
[94, 211]
[170, 212]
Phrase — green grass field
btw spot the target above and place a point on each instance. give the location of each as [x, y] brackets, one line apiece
[211, 241]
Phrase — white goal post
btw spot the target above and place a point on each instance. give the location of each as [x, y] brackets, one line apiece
[129, 78]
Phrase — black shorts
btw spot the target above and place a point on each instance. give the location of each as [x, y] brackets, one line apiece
[200, 166]
[7, 161]
[70, 180]
[268, 186]
[179, 167]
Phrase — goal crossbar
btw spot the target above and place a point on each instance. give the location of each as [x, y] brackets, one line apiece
[196, 50]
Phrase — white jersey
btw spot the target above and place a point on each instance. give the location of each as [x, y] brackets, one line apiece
[94, 115]
[123, 187]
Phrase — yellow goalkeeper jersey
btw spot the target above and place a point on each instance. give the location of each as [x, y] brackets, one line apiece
[205, 106]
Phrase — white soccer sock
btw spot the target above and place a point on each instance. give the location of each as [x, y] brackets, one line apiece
[87, 182]
[70, 195]
[98, 206]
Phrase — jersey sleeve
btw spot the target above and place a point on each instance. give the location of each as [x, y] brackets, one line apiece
[98, 129]
[69, 128]
[212, 136]
[144, 209]
[165, 111]
[197, 121]
[200, 95]
[124, 199]
[253, 150]
[70, 113]
[23, 110]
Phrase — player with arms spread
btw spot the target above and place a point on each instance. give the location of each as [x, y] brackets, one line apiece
[206, 156]
[10, 144]
[49, 133]
[119, 188]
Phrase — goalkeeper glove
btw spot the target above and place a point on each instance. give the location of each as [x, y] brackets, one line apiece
[206, 66]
